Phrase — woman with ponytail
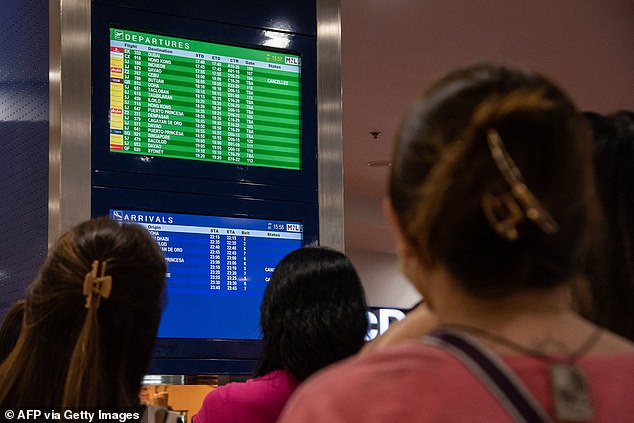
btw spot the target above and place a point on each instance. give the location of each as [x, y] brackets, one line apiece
[90, 319]
[492, 200]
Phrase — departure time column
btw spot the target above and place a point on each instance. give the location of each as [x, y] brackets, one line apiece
[233, 111]
[214, 82]
[200, 97]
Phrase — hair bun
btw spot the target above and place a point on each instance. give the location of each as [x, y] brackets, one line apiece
[497, 107]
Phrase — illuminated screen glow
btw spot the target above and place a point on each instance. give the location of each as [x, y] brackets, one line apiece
[186, 99]
[218, 268]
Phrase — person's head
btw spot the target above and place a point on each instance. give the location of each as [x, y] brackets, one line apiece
[11, 327]
[463, 157]
[313, 312]
[611, 266]
[91, 317]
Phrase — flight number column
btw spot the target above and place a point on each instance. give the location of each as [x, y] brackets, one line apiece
[133, 65]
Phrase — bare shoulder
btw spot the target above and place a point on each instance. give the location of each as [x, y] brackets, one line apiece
[611, 343]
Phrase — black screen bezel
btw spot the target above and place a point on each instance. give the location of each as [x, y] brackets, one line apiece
[107, 16]
[195, 355]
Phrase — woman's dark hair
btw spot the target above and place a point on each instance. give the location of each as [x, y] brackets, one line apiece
[11, 327]
[69, 355]
[611, 265]
[313, 313]
[443, 168]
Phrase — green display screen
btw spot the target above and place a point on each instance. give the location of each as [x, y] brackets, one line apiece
[187, 99]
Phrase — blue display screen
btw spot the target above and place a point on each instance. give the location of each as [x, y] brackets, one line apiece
[218, 268]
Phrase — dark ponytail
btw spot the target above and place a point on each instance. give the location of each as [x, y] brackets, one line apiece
[70, 355]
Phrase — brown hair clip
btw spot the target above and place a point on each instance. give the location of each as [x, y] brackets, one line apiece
[100, 285]
[505, 211]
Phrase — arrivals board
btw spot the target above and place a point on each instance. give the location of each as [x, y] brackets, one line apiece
[187, 99]
[218, 269]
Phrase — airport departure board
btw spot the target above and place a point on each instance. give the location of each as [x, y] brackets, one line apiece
[187, 99]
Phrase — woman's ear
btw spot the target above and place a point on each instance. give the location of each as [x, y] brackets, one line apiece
[407, 257]
[403, 244]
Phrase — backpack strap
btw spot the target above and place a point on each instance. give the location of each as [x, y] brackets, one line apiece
[500, 380]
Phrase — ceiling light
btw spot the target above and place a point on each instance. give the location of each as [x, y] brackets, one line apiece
[276, 39]
[379, 163]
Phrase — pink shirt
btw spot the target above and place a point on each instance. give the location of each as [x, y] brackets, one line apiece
[418, 383]
[258, 400]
